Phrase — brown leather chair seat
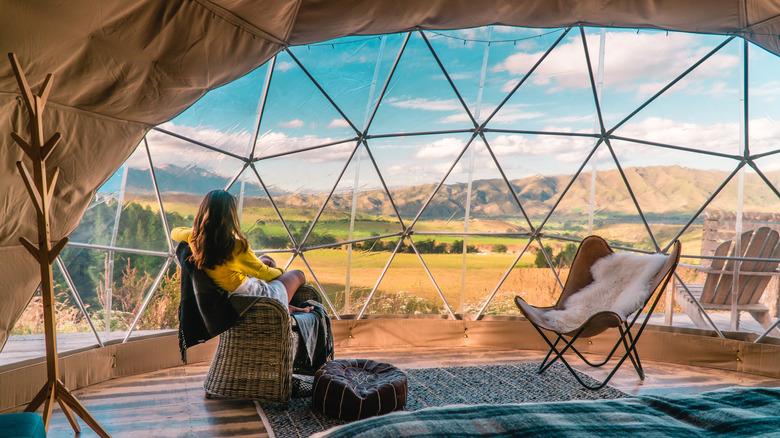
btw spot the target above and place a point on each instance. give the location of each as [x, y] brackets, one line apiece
[358, 388]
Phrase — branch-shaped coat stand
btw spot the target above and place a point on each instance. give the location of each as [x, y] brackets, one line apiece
[40, 185]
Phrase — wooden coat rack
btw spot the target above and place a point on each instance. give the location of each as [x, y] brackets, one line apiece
[40, 185]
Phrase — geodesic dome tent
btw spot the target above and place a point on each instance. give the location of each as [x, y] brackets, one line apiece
[475, 128]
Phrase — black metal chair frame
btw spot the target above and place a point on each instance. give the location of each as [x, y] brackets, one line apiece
[624, 327]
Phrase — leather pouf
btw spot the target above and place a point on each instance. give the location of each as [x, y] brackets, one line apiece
[358, 388]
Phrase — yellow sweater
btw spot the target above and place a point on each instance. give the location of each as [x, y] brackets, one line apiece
[231, 274]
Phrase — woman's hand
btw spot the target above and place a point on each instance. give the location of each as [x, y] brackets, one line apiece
[268, 261]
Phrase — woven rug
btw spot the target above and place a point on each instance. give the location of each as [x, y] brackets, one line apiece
[495, 384]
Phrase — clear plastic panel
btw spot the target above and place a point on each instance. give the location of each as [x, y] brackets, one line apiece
[764, 93]
[702, 111]
[467, 54]
[412, 168]
[296, 114]
[540, 167]
[359, 208]
[475, 189]
[133, 278]
[88, 270]
[419, 97]
[405, 288]
[556, 97]
[532, 278]
[260, 221]
[226, 117]
[343, 272]
[352, 71]
[185, 172]
[300, 185]
[671, 186]
[465, 281]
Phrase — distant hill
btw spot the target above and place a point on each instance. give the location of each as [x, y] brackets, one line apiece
[661, 190]
[183, 180]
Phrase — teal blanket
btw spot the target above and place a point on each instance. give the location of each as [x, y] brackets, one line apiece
[737, 412]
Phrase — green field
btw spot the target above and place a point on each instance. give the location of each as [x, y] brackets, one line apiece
[406, 276]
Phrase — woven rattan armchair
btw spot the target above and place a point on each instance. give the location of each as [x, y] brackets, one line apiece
[256, 358]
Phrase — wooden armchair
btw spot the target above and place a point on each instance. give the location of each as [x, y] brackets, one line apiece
[717, 290]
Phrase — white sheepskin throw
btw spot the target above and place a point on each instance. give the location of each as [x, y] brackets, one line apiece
[621, 284]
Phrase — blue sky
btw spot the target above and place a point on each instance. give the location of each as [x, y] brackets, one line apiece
[701, 112]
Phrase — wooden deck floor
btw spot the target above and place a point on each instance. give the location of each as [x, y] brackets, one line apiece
[171, 402]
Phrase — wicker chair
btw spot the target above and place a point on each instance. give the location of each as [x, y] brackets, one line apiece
[256, 358]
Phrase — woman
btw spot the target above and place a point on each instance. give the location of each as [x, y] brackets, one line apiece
[222, 251]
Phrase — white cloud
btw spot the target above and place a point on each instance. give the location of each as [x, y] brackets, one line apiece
[444, 148]
[509, 113]
[272, 143]
[718, 137]
[428, 105]
[631, 62]
[513, 145]
[284, 66]
[296, 123]
[166, 149]
[338, 123]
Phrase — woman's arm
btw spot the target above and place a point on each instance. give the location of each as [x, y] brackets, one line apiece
[254, 267]
[181, 234]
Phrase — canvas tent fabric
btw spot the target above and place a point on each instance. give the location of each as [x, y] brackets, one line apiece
[122, 67]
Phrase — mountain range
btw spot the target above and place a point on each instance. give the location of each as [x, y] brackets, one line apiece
[660, 190]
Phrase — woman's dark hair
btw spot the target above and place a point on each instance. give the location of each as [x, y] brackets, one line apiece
[215, 230]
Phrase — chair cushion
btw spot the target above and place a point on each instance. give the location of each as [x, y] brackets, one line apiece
[22, 425]
[358, 388]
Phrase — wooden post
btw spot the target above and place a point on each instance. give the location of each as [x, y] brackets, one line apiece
[40, 186]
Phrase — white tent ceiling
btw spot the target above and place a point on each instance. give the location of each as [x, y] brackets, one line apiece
[122, 67]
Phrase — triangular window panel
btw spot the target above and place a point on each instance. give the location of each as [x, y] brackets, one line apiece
[406, 288]
[296, 114]
[465, 281]
[260, 221]
[359, 208]
[88, 269]
[475, 61]
[419, 97]
[701, 111]
[760, 196]
[352, 71]
[162, 311]
[764, 92]
[540, 167]
[348, 272]
[97, 225]
[475, 189]
[639, 63]
[412, 167]
[185, 172]
[615, 215]
[225, 117]
[532, 278]
[671, 185]
[301, 183]
[556, 97]
[133, 277]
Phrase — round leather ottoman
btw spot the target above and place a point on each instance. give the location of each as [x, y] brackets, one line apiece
[358, 388]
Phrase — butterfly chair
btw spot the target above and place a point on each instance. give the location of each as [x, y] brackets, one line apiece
[717, 290]
[599, 313]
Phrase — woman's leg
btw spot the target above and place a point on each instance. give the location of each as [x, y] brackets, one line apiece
[292, 280]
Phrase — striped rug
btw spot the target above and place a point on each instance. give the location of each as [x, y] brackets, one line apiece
[496, 384]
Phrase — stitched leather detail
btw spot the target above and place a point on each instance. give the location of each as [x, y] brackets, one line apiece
[362, 388]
